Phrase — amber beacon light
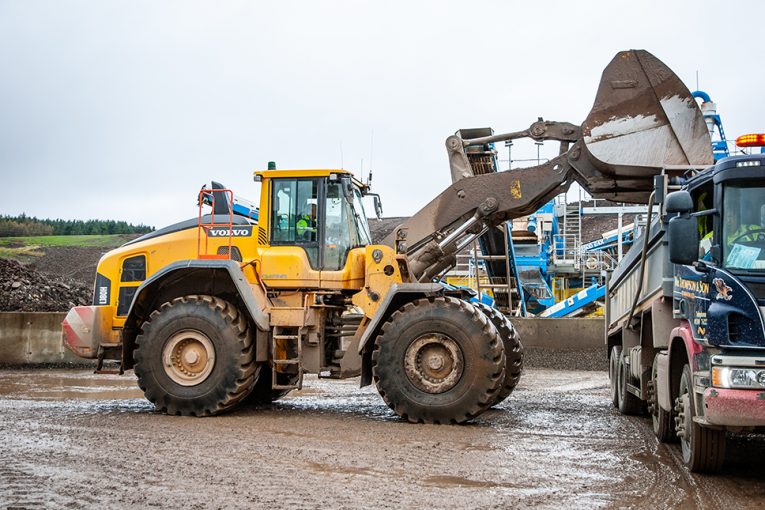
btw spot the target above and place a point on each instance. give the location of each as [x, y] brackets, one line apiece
[751, 140]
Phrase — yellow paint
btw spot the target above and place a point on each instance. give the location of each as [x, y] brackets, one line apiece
[377, 282]
[515, 189]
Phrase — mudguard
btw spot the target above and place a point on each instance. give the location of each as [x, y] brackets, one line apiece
[253, 296]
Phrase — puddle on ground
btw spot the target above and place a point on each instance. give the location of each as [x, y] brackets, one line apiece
[67, 385]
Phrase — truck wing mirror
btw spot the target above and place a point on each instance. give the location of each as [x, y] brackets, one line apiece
[683, 239]
[679, 202]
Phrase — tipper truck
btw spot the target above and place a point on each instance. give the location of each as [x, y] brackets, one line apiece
[224, 308]
[684, 311]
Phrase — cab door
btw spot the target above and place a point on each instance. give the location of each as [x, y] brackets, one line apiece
[293, 256]
[345, 233]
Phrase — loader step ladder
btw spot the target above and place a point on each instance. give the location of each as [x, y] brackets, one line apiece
[285, 339]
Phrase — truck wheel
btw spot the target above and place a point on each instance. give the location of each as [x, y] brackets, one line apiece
[613, 373]
[703, 448]
[438, 361]
[628, 403]
[663, 422]
[262, 394]
[513, 350]
[195, 356]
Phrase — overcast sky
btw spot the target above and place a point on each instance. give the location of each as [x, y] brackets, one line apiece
[123, 109]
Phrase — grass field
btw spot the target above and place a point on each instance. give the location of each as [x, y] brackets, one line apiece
[24, 248]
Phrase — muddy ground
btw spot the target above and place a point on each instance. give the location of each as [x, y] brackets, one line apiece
[71, 438]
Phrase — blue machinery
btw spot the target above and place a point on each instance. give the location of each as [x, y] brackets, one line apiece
[714, 124]
[582, 302]
[610, 241]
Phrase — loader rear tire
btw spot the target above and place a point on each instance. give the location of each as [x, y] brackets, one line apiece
[513, 350]
[438, 360]
[195, 357]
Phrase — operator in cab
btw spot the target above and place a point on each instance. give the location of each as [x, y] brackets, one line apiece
[744, 228]
[306, 223]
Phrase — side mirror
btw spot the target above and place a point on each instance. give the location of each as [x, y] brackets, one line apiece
[679, 202]
[377, 203]
[683, 239]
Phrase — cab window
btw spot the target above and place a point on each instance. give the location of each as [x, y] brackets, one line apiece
[134, 269]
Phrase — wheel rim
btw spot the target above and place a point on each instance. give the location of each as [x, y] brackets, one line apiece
[434, 363]
[685, 441]
[188, 357]
[621, 377]
[654, 400]
[686, 417]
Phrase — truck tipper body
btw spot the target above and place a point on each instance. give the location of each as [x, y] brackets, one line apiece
[684, 310]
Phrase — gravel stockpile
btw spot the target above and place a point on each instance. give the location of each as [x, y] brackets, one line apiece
[23, 289]
[582, 359]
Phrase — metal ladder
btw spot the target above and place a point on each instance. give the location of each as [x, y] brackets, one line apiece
[512, 267]
[507, 256]
[286, 361]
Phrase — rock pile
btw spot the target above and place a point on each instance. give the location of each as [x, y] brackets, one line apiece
[25, 290]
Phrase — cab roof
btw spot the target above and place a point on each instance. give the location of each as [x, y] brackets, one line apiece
[306, 172]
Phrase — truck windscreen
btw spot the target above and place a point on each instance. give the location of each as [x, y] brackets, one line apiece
[743, 233]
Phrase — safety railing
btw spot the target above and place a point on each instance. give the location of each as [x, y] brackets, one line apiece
[218, 229]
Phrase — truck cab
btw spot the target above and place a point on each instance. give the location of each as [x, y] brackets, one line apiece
[720, 290]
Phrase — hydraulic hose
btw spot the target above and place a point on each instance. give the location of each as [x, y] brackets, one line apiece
[643, 257]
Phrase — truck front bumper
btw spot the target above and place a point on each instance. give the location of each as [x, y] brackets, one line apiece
[734, 408]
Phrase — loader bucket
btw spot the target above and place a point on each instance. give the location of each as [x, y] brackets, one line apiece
[644, 120]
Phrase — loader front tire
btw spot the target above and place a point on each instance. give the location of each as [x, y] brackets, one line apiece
[195, 357]
[438, 361]
[513, 350]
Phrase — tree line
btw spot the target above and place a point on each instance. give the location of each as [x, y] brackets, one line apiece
[23, 225]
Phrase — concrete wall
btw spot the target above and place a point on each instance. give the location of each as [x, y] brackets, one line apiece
[33, 337]
[561, 334]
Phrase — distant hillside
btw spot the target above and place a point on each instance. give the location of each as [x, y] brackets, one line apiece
[23, 225]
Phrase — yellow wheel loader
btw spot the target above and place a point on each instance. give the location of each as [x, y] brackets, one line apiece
[222, 308]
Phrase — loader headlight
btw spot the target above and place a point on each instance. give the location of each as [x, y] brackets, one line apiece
[740, 378]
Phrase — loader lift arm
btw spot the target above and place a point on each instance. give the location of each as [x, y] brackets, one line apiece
[644, 120]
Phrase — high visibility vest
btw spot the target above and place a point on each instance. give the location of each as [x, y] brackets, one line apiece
[305, 224]
[703, 221]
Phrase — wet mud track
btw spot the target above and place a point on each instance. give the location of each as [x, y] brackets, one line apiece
[72, 439]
